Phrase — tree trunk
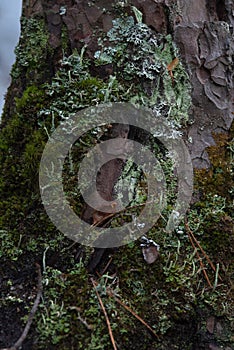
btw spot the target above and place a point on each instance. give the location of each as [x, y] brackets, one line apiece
[181, 295]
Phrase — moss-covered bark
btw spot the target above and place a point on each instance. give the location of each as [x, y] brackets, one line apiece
[56, 74]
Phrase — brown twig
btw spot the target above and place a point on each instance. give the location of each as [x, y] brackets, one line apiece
[200, 260]
[23, 336]
[202, 250]
[106, 267]
[105, 314]
[111, 293]
[193, 239]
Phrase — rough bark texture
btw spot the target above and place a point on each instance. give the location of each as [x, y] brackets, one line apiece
[205, 35]
[203, 30]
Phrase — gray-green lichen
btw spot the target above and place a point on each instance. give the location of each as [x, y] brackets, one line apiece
[139, 60]
[140, 55]
[32, 48]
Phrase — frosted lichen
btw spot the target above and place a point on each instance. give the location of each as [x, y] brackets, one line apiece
[141, 56]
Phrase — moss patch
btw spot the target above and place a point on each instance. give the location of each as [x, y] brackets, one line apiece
[32, 49]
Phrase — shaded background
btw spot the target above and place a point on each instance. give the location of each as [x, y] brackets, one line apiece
[10, 11]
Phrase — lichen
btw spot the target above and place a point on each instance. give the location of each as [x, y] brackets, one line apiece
[140, 56]
[32, 49]
[170, 294]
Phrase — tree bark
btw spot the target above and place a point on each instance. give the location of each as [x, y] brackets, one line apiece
[203, 32]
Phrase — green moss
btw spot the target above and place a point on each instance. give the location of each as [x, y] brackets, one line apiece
[10, 245]
[219, 178]
[32, 155]
[214, 211]
[32, 100]
[166, 294]
[32, 49]
[65, 39]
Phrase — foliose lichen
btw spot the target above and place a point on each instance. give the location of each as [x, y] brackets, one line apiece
[141, 56]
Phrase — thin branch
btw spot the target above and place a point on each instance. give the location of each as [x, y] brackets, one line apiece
[189, 231]
[203, 252]
[200, 260]
[105, 314]
[23, 336]
[106, 267]
[111, 293]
